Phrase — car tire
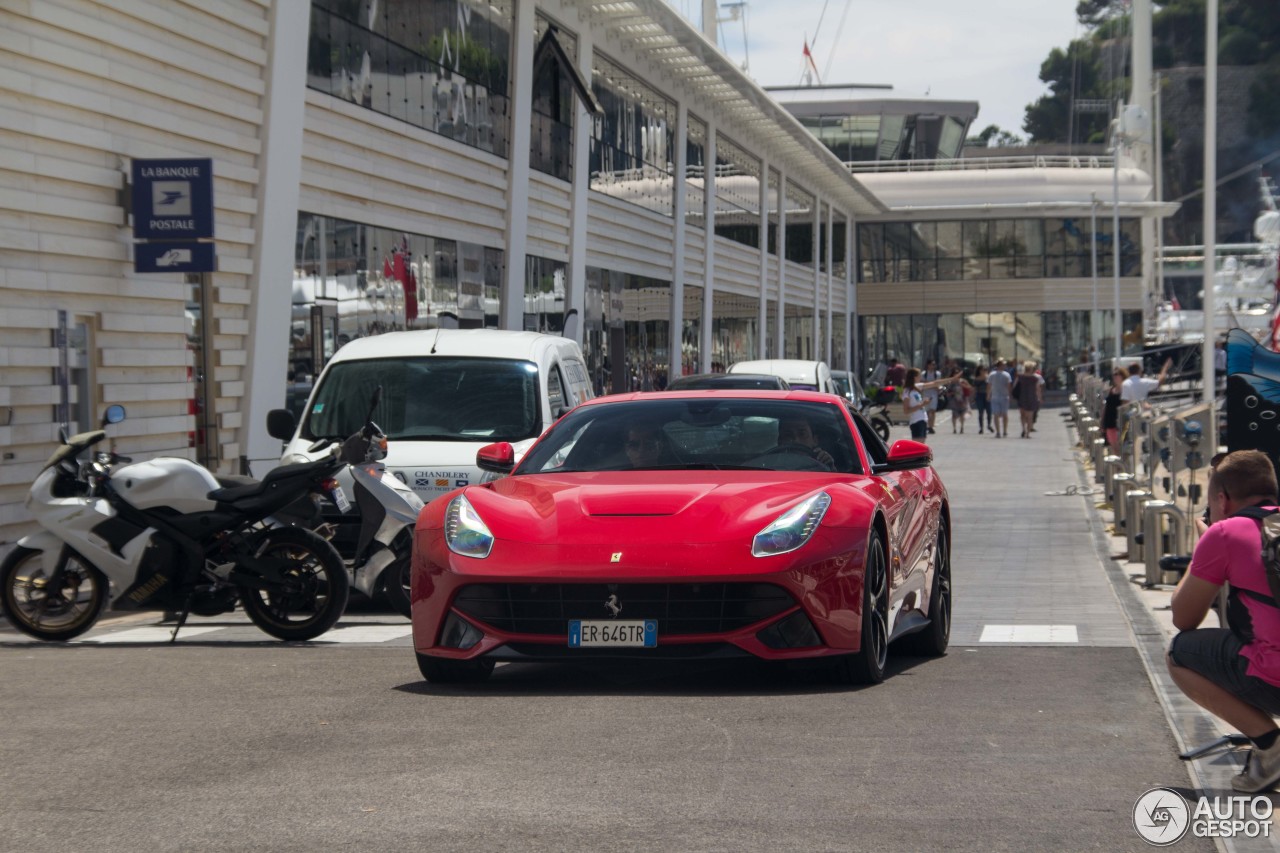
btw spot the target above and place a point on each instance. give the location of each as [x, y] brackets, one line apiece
[868, 665]
[933, 640]
[395, 586]
[449, 671]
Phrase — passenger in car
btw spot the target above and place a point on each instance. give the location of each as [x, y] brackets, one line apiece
[647, 446]
[798, 431]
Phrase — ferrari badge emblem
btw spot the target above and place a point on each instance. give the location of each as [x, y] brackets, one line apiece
[613, 605]
[616, 558]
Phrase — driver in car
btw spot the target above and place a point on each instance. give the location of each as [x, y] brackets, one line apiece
[798, 431]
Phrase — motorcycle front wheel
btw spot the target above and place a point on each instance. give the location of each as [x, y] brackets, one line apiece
[47, 604]
[881, 426]
[313, 594]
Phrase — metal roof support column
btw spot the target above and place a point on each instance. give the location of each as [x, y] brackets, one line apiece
[580, 194]
[762, 306]
[512, 311]
[815, 257]
[675, 337]
[709, 264]
[280, 167]
[829, 282]
[779, 331]
[853, 358]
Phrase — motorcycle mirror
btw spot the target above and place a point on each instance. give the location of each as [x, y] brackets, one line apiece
[113, 415]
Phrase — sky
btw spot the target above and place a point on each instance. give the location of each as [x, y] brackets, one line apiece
[988, 51]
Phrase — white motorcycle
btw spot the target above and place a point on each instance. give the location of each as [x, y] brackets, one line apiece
[162, 535]
[379, 555]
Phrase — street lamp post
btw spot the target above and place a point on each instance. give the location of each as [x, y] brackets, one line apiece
[1115, 233]
[1210, 191]
[1094, 326]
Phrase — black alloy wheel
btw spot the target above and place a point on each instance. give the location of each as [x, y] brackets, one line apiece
[933, 640]
[867, 665]
[55, 606]
[314, 593]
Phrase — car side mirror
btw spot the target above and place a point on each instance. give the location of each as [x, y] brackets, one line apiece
[498, 458]
[281, 424]
[907, 455]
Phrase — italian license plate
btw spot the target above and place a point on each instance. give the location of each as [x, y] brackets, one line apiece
[617, 633]
[339, 498]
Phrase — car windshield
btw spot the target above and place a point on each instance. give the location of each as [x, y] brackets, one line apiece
[698, 433]
[430, 398]
[726, 381]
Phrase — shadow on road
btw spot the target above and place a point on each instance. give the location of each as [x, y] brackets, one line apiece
[665, 678]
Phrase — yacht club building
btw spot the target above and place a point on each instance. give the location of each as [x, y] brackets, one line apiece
[595, 168]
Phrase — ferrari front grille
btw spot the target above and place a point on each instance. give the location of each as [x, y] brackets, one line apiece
[680, 608]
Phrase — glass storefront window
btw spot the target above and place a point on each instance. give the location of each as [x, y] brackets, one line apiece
[695, 170]
[800, 210]
[734, 328]
[551, 143]
[631, 142]
[737, 193]
[442, 65]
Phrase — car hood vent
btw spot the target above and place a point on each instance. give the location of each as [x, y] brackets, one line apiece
[641, 501]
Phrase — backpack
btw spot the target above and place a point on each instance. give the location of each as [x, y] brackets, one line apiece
[1237, 614]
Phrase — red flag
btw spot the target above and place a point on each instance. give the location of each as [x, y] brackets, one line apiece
[386, 267]
[1175, 305]
[397, 262]
[411, 296]
[809, 59]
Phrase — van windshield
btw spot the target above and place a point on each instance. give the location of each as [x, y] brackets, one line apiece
[429, 399]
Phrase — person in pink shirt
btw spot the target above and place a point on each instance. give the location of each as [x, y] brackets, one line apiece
[1234, 672]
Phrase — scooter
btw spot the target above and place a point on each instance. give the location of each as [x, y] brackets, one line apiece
[378, 560]
[876, 411]
[162, 535]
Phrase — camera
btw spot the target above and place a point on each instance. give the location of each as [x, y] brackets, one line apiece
[1206, 517]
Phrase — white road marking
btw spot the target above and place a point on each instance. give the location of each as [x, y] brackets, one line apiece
[365, 634]
[1029, 634]
[149, 634]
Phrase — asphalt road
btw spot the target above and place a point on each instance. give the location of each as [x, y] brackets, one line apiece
[293, 748]
[230, 741]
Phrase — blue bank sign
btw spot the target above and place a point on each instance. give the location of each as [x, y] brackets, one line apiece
[173, 201]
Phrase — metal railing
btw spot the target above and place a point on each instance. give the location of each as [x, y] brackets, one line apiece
[983, 164]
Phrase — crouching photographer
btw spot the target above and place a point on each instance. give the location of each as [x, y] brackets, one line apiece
[1235, 672]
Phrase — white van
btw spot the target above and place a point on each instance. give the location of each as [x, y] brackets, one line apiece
[800, 375]
[445, 394]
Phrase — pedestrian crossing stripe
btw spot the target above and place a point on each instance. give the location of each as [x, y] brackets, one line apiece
[365, 634]
[1029, 634]
[148, 634]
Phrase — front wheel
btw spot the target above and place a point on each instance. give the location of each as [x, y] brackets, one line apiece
[47, 603]
[868, 665]
[395, 584]
[881, 427]
[308, 593]
[933, 640]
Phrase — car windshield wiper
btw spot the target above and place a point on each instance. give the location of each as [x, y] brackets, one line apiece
[430, 436]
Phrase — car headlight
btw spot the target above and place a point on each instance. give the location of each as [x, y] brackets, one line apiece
[464, 532]
[791, 529]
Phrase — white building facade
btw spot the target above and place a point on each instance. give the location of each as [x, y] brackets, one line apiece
[383, 166]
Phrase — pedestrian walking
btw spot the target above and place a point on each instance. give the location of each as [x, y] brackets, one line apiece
[1137, 387]
[959, 393]
[913, 406]
[998, 384]
[1111, 410]
[980, 403]
[1028, 390]
[928, 380]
